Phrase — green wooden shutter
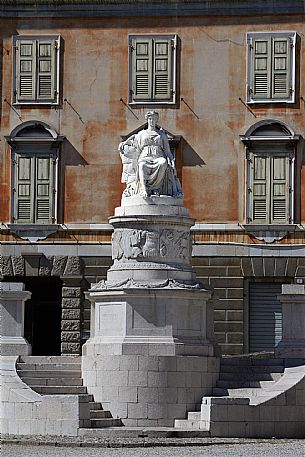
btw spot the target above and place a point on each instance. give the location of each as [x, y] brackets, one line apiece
[260, 188]
[279, 189]
[24, 189]
[261, 68]
[162, 69]
[281, 52]
[46, 70]
[141, 69]
[43, 190]
[25, 70]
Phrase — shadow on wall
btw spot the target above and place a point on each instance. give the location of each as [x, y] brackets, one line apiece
[69, 157]
[190, 158]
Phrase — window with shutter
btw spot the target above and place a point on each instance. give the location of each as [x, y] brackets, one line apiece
[269, 200]
[259, 189]
[271, 67]
[33, 188]
[152, 63]
[279, 189]
[36, 70]
[24, 191]
[272, 181]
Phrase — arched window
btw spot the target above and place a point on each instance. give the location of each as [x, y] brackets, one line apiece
[270, 152]
[34, 153]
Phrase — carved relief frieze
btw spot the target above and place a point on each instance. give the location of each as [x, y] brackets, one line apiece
[166, 243]
[162, 284]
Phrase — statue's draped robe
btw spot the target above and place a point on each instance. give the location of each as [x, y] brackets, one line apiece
[156, 163]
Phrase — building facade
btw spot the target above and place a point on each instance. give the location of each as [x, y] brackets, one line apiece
[227, 79]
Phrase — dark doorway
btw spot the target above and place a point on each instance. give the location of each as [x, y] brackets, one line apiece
[42, 326]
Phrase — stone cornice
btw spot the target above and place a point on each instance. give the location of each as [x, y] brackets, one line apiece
[198, 227]
[38, 8]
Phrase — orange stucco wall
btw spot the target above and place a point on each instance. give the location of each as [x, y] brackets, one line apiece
[212, 74]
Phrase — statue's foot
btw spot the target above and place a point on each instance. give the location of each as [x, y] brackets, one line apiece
[144, 194]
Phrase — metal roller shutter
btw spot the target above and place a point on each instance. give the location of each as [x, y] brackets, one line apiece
[265, 316]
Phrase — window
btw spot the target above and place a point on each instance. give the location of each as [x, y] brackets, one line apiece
[152, 69]
[271, 67]
[34, 153]
[271, 150]
[269, 187]
[36, 70]
[33, 191]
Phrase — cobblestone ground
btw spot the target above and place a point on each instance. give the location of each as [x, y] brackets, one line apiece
[259, 449]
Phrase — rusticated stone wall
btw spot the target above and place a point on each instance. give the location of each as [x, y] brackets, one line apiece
[70, 270]
[227, 275]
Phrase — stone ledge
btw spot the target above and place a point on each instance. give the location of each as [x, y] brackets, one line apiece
[150, 8]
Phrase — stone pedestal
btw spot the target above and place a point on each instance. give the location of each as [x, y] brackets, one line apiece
[292, 344]
[12, 298]
[151, 352]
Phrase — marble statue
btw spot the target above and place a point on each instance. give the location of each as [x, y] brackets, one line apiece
[148, 164]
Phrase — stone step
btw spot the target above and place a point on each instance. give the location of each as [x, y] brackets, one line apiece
[249, 377]
[49, 374]
[194, 416]
[136, 432]
[242, 384]
[252, 369]
[60, 390]
[85, 398]
[95, 405]
[50, 359]
[191, 425]
[48, 366]
[246, 392]
[243, 361]
[105, 422]
[100, 414]
[44, 381]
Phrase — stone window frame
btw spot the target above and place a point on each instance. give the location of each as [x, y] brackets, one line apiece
[289, 143]
[44, 141]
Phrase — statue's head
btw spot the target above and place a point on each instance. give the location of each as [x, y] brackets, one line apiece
[152, 114]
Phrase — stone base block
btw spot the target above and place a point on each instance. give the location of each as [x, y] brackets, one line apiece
[147, 321]
[14, 346]
[147, 389]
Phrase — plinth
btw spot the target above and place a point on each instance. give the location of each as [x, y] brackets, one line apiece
[12, 299]
[292, 345]
[151, 354]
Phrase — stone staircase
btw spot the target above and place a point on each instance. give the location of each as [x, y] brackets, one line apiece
[52, 375]
[243, 381]
[245, 376]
